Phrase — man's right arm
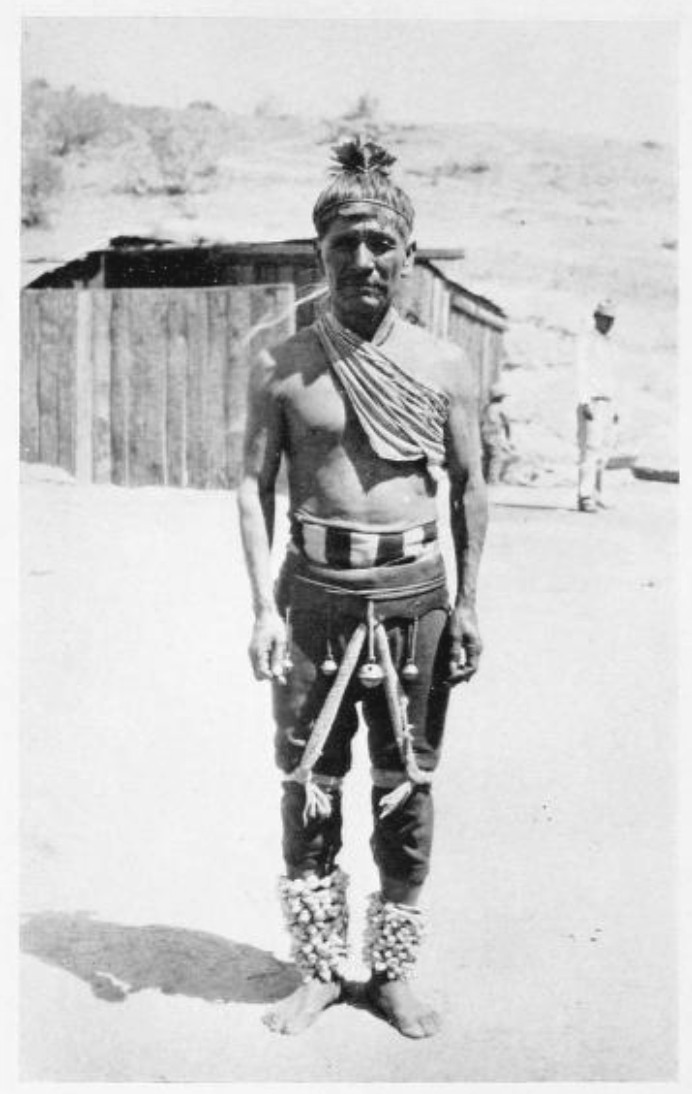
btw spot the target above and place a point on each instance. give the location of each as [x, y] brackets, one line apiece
[256, 506]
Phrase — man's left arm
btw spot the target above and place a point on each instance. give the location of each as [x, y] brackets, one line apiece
[469, 519]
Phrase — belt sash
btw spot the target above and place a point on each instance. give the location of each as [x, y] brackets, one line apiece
[405, 590]
[332, 545]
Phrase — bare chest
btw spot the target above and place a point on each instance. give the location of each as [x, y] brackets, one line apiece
[315, 411]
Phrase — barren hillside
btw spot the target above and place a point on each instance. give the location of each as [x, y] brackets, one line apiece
[548, 224]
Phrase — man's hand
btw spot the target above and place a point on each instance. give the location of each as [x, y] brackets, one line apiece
[268, 647]
[465, 645]
[587, 411]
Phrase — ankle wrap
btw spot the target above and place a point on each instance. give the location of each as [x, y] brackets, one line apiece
[316, 915]
[394, 933]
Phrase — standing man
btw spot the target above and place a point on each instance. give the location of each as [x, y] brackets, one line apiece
[366, 409]
[496, 436]
[596, 414]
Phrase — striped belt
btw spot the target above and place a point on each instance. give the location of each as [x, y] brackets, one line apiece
[348, 548]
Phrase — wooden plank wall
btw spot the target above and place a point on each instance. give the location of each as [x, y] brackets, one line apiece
[484, 347]
[434, 305]
[29, 415]
[49, 348]
[144, 386]
[147, 386]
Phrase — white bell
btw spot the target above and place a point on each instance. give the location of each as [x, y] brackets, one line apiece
[410, 671]
[370, 674]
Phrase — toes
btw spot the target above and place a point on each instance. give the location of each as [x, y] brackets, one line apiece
[419, 1024]
[427, 1025]
[288, 1023]
[276, 1023]
[413, 1030]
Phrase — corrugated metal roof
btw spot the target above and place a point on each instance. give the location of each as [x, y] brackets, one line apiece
[445, 261]
[272, 247]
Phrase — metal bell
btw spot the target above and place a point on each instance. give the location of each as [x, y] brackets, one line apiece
[370, 674]
[410, 670]
[329, 665]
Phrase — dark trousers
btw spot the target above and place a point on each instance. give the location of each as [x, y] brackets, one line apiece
[401, 841]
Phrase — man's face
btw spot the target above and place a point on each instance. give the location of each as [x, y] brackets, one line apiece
[603, 322]
[363, 255]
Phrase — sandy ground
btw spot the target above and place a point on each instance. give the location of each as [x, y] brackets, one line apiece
[151, 935]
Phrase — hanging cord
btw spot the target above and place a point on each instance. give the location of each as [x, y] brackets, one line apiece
[317, 803]
[398, 703]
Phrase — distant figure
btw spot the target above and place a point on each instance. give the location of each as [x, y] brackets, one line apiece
[596, 413]
[496, 436]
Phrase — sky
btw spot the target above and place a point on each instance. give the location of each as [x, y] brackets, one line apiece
[615, 78]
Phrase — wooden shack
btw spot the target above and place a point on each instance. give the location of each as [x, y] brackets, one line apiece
[135, 357]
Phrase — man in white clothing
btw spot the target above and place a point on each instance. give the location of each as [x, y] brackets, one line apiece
[596, 413]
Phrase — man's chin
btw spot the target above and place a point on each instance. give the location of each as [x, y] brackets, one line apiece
[361, 301]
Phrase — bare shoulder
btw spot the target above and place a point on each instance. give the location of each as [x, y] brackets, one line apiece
[295, 350]
[437, 361]
[289, 361]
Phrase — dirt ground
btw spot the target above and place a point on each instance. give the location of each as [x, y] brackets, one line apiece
[151, 934]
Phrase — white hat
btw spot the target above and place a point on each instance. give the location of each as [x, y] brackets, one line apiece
[605, 307]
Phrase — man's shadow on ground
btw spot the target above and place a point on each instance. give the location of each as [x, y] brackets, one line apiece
[118, 960]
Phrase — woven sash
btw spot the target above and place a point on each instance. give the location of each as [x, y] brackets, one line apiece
[403, 419]
[349, 547]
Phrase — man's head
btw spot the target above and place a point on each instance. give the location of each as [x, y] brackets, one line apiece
[604, 316]
[363, 223]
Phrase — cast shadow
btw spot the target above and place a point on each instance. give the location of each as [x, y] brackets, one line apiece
[118, 960]
[535, 505]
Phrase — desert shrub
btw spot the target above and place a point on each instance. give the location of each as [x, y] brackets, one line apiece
[173, 152]
[363, 117]
[476, 167]
[139, 172]
[365, 111]
[42, 181]
[76, 121]
[185, 151]
[452, 169]
[64, 121]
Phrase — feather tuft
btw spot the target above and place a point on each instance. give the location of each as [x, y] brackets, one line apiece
[359, 157]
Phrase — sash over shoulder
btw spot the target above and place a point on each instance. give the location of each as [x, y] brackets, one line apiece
[402, 417]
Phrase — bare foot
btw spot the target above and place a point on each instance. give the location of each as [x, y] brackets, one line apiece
[298, 1011]
[394, 1001]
